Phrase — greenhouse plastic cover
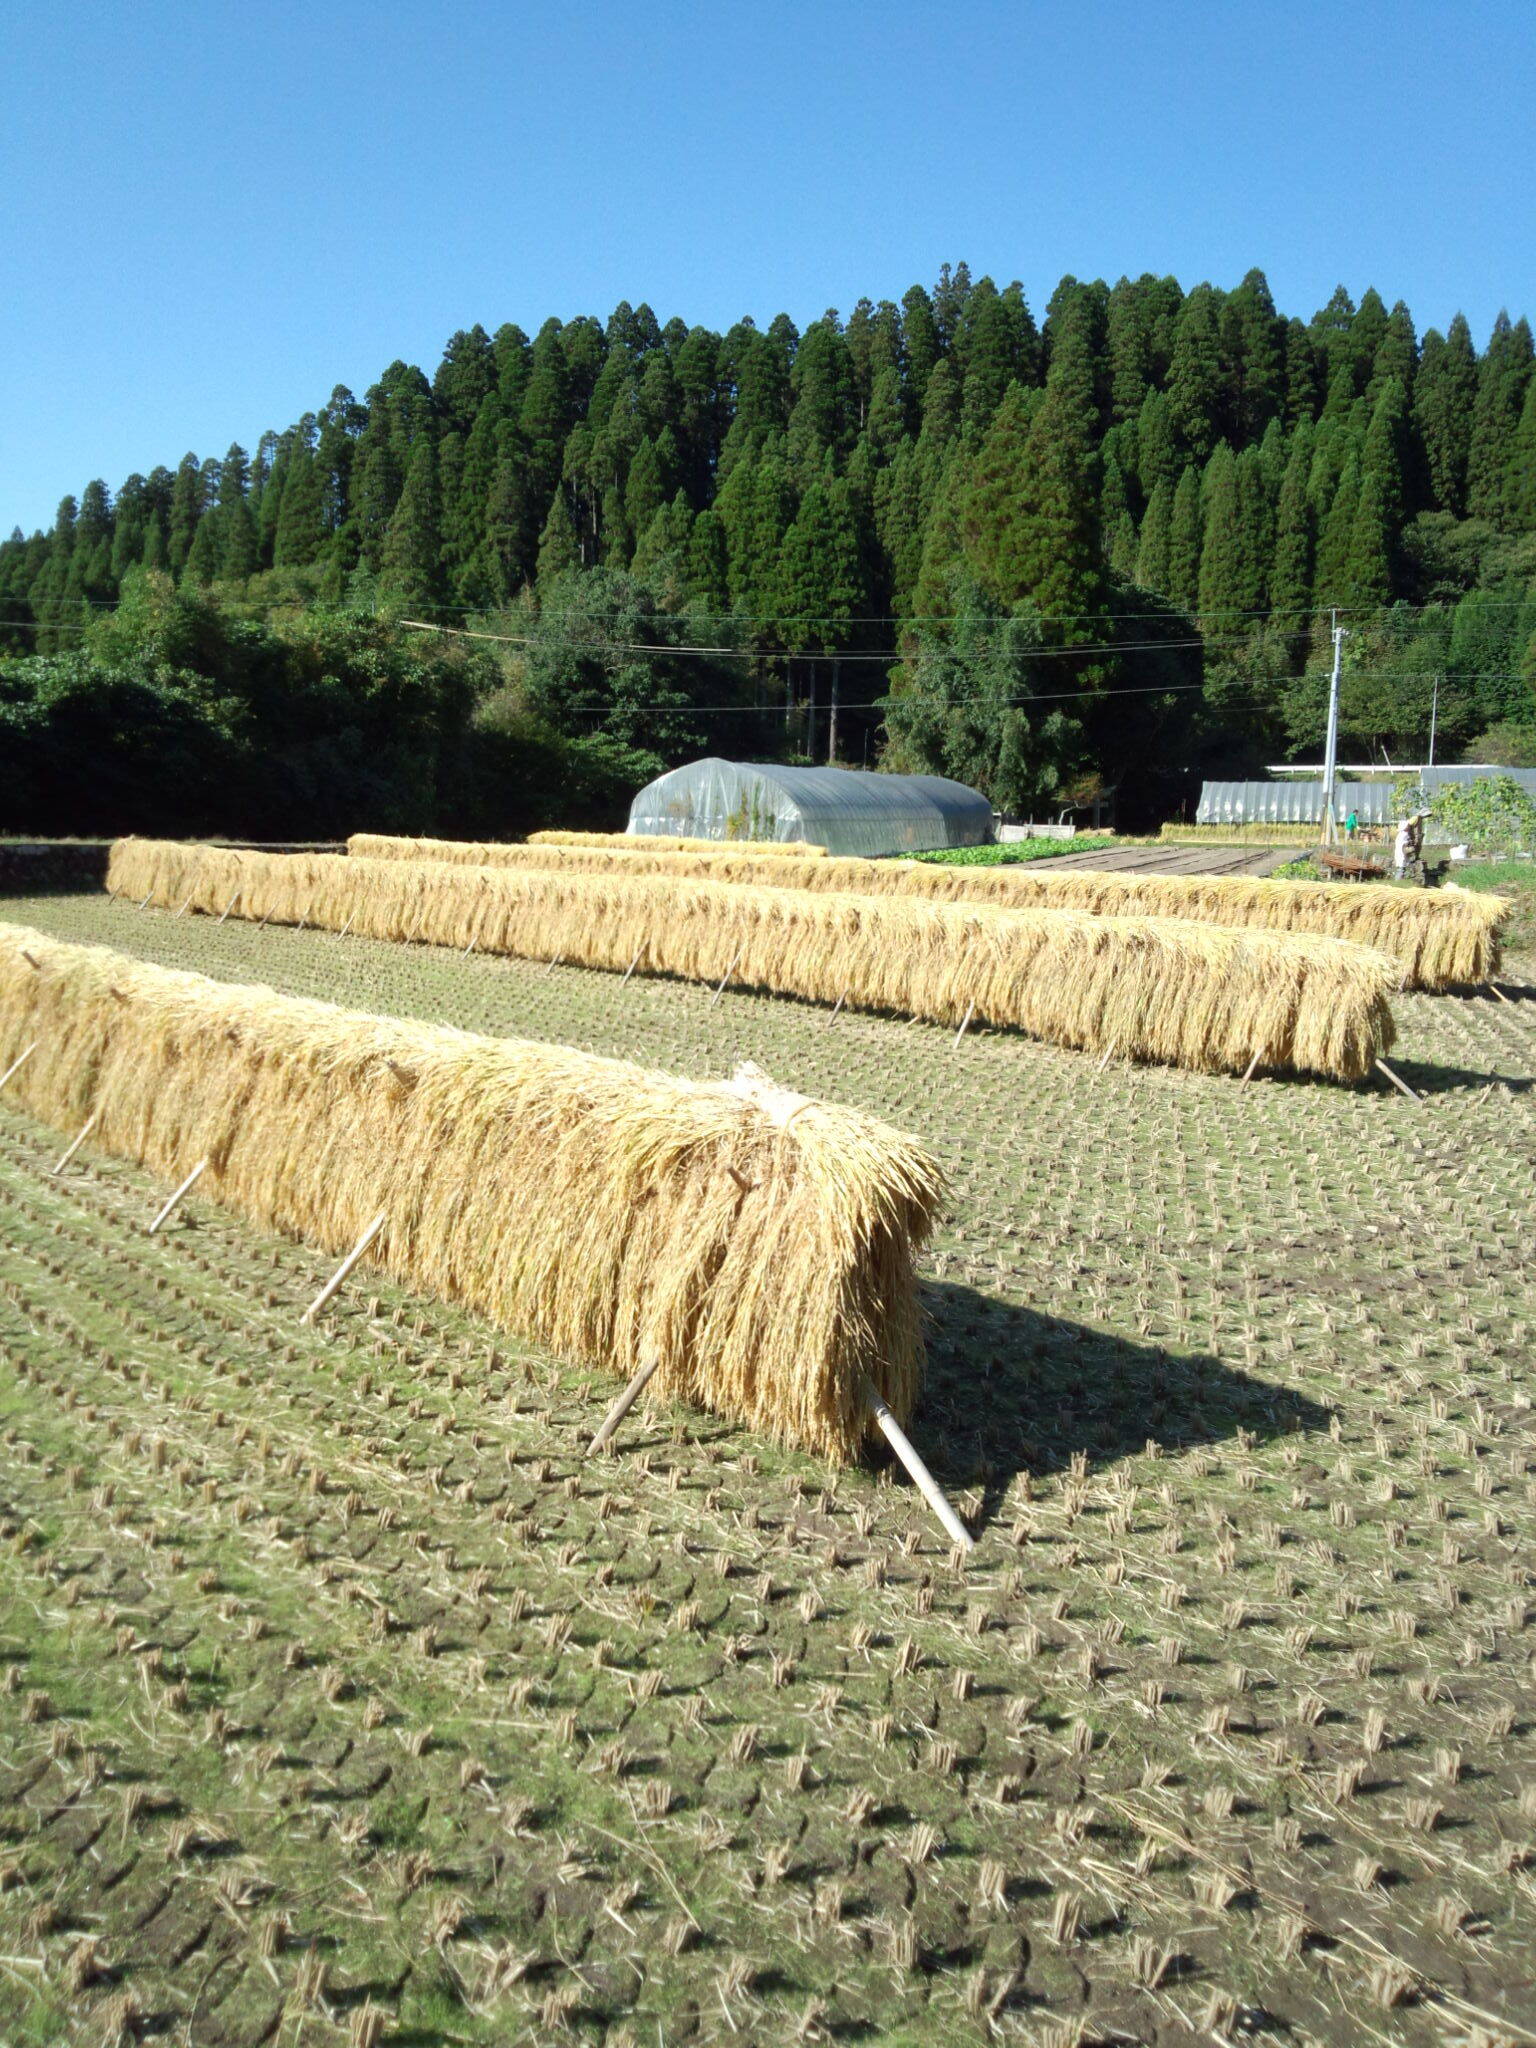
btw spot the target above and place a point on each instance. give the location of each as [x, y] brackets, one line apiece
[1301, 802]
[847, 810]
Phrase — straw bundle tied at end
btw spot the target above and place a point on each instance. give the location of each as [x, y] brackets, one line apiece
[610, 1213]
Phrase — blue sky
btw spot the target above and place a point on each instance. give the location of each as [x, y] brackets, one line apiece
[214, 214]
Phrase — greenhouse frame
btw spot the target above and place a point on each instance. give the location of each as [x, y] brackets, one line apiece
[846, 810]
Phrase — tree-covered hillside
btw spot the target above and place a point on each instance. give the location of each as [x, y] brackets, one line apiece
[1048, 556]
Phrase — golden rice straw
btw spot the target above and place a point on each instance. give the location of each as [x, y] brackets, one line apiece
[1440, 938]
[1177, 993]
[764, 1256]
[662, 842]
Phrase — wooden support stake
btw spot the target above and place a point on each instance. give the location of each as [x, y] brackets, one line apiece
[1398, 1082]
[345, 1267]
[554, 963]
[629, 970]
[32, 961]
[1109, 1053]
[1251, 1068]
[624, 1403]
[1501, 995]
[470, 947]
[85, 1131]
[725, 977]
[184, 908]
[347, 926]
[185, 1188]
[145, 899]
[229, 906]
[264, 922]
[20, 1061]
[837, 1006]
[970, 1011]
[917, 1471]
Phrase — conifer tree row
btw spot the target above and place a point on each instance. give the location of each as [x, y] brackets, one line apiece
[917, 479]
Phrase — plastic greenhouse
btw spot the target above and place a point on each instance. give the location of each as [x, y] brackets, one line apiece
[847, 810]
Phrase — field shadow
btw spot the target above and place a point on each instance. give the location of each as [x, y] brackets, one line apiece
[1010, 1390]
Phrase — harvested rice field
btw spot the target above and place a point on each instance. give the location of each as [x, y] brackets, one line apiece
[345, 1699]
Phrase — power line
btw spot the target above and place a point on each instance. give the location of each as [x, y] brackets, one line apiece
[885, 659]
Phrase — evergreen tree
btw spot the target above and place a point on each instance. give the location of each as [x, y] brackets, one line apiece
[1196, 389]
[707, 574]
[558, 553]
[823, 416]
[1368, 571]
[1152, 548]
[1444, 393]
[1228, 572]
[1254, 355]
[301, 531]
[238, 550]
[1130, 351]
[186, 510]
[202, 564]
[645, 493]
[1302, 387]
[1184, 543]
[1501, 380]
[1398, 355]
[1336, 541]
[502, 563]
[1032, 518]
[920, 343]
[131, 516]
[410, 563]
[1157, 457]
[1520, 482]
[510, 351]
[1290, 587]
[1383, 457]
[465, 377]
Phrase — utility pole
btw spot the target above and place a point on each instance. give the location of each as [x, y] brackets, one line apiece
[1434, 710]
[832, 720]
[1331, 748]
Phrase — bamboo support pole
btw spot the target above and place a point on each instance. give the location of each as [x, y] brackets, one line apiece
[917, 1471]
[554, 963]
[970, 1011]
[146, 899]
[1398, 1082]
[183, 910]
[20, 1061]
[725, 977]
[85, 1131]
[470, 947]
[344, 1268]
[629, 970]
[347, 926]
[186, 1187]
[837, 1006]
[622, 1405]
[1251, 1068]
[229, 906]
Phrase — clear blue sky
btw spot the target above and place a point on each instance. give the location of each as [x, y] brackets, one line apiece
[213, 214]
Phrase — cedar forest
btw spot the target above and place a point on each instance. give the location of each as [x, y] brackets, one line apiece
[1094, 553]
